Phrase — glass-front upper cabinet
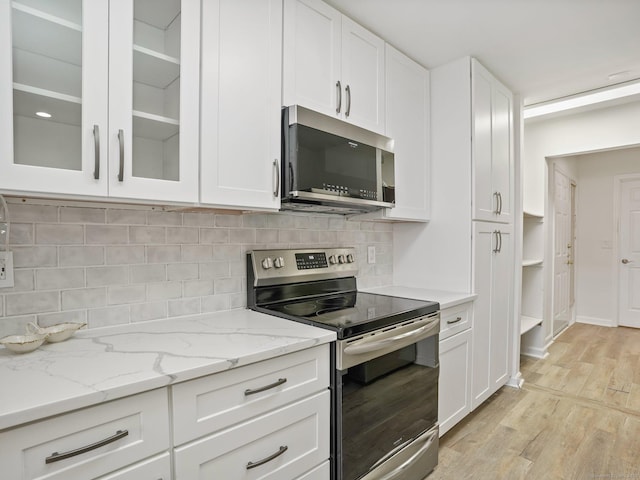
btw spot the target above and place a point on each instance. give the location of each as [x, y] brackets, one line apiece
[102, 97]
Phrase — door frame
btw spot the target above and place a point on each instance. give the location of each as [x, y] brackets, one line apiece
[618, 180]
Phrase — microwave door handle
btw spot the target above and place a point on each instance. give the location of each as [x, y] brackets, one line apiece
[291, 177]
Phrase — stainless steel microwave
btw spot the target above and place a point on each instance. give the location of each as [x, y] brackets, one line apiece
[332, 166]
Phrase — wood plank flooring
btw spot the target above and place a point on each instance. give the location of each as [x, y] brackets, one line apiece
[576, 417]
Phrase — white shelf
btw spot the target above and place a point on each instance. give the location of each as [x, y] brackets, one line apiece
[154, 68]
[528, 323]
[532, 262]
[155, 127]
[533, 215]
[28, 100]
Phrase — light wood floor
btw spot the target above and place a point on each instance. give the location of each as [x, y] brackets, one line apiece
[576, 417]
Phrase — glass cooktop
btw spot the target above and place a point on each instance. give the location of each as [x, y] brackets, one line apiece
[352, 313]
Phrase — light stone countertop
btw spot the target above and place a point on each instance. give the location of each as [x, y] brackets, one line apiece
[444, 298]
[103, 364]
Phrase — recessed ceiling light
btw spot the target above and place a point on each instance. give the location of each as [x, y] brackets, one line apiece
[43, 114]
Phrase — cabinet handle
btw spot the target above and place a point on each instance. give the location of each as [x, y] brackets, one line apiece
[348, 110]
[56, 457]
[500, 238]
[451, 322]
[280, 451]
[276, 178]
[96, 142]
[495, 195]
[339, 92]
[121, 142]
[495, 234]
[499, 203]
[251, 391]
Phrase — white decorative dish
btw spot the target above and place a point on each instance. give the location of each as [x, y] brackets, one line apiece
[23, 343]
[56, 333]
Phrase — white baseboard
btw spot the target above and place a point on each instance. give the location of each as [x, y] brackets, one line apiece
[602, 322]
[534, 352]
[515, 381]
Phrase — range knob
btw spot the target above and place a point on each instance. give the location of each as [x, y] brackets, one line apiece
[267, 263]
[279, 262]
[333, 259]
[350, 258]
[342, 259]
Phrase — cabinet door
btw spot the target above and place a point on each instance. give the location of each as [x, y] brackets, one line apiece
[492, 278]
[312, 46]
[407, 122]
[454, 394]
[53, 96]
[492, 118]
[153, 99]
[362, 77]
[156, 468]
[241, 79]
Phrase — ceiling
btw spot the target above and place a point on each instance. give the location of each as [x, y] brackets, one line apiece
[540, 49]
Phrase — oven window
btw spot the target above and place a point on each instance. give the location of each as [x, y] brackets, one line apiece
[386, 402]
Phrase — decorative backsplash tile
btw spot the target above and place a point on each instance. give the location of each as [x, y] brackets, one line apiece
[115, 264]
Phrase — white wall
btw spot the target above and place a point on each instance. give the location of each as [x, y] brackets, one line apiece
[585, 132]
[596, 267]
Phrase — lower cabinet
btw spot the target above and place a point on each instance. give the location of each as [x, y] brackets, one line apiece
[91, 442]
[454, 387]
[157, 468]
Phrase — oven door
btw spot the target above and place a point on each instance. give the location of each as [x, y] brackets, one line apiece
[387, 406]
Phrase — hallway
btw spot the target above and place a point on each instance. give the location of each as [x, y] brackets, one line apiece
[576, 417]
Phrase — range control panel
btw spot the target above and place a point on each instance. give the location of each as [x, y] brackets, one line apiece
[271, 267]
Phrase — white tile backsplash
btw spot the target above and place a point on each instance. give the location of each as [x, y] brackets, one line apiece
[109, 265]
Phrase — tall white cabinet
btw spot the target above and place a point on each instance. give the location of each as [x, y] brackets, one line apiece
[333, 65]
[101, 98]
[468, 245]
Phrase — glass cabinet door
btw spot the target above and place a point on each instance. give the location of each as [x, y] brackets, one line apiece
[58, 56]
[154, 99]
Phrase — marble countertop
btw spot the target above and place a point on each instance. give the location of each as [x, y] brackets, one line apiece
[444, 298]
[103, 364]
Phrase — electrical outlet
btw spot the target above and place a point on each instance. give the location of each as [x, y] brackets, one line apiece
[6, 269]
[371, 254]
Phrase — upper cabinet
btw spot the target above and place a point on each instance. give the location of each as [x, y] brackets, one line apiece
[492, 144]
[103, 98]
[333, 65]
[241, 103]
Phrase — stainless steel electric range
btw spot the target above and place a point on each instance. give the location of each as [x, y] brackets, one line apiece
[384, 364]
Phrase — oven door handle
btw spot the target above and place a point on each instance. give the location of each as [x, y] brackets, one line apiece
[366, 345]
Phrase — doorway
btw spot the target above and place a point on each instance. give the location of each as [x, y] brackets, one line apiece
[629, 251]
[564, 218]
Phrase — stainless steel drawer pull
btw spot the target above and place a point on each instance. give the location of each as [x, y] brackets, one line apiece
[348, 110]
[280, 451]
[276, 178]
[251, 391]
[451, 322]
[339, 92]
[56, 457]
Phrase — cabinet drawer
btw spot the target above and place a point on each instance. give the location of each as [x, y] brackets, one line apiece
[322, 472]
[24, 451]
[455, 319]
[157, 468]
[284, 443]
[211, 403]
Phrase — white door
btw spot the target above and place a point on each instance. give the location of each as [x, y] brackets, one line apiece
[362, 76]
[53, 96]
[629, 251]
[241, 79]
[561, 252]
[154, 99]
[312, 46]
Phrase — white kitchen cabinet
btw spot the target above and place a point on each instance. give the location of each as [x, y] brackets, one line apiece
[407, 123]
[90, 442]
[284, 443]
[241, 103]
[333, 65]
[278, 409]
[119, 81]
[454, 387]
[492, 131]
[493, 308]
[156, 468]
